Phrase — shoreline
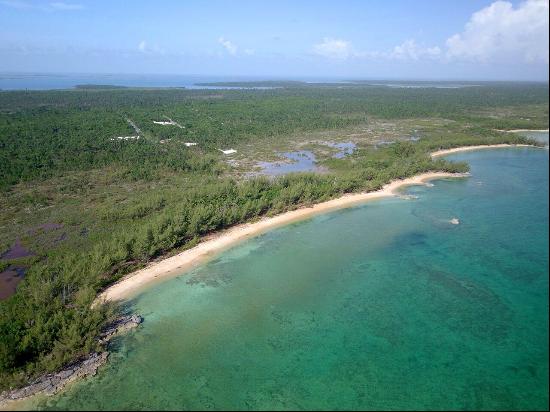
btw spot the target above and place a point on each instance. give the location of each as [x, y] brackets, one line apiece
[135, 282]
[445, 152]
[51, 383]
[523, 130]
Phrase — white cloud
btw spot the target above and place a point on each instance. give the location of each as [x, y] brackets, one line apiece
[144, 47]
[501, 32]
[249, 52]
[334, 49]
[230, 47]
[66, 6]
[341, 50]
[410, 50]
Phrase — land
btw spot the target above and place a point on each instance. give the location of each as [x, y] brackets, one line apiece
[523, 130]
[134, 282]
[81, 211]
[52, 383]
[472, 148]
[98, 86]
[220, 241]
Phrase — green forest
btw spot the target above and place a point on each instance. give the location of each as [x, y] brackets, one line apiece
[120, 203]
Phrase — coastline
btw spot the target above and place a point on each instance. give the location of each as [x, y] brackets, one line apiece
[445, 152]
[51, 383]
[133, 283]
[523, 130]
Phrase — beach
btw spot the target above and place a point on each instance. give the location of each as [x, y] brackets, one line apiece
[216, 243]
[470, 148]
[522, 130]
[348, 300]
[213, 244]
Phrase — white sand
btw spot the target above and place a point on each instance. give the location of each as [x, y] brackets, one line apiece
[522, 130]
[214, 244]
[134, 282]
[470, 148]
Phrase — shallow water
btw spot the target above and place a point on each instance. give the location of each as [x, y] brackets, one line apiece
[9, 279]
[16, 251]
[299, 161]
[345, 148]
[388, 305]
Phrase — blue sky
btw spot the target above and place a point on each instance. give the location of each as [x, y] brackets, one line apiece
[418, 39]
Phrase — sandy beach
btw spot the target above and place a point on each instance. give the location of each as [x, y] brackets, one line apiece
[211, 245]
[214, 244]
[522, 130]
[470, 148]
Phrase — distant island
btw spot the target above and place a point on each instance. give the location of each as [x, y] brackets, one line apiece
[98, 86]
[260, 83]
[116, 87]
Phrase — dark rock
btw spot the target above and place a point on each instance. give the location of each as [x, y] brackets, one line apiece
[121, 325]
[50, 384]
[66, 373]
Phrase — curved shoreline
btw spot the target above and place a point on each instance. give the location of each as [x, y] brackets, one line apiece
[133, 283]
[445, 152]
[210, 246]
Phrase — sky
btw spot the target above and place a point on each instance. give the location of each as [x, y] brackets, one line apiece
[346, 39]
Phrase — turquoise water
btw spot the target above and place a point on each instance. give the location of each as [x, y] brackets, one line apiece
[383, 306]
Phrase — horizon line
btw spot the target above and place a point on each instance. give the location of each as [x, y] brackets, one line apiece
[296, 77]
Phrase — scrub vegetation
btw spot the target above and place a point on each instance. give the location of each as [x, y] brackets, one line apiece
[92, 207]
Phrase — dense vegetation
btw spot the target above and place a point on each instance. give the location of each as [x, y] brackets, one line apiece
[125, 202]
[44, 133]
[98, 86]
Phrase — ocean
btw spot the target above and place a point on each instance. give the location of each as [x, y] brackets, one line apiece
[388, 305]
[53, 81]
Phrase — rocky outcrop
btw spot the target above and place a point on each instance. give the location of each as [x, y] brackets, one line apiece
[52, 383]
[121, 325]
